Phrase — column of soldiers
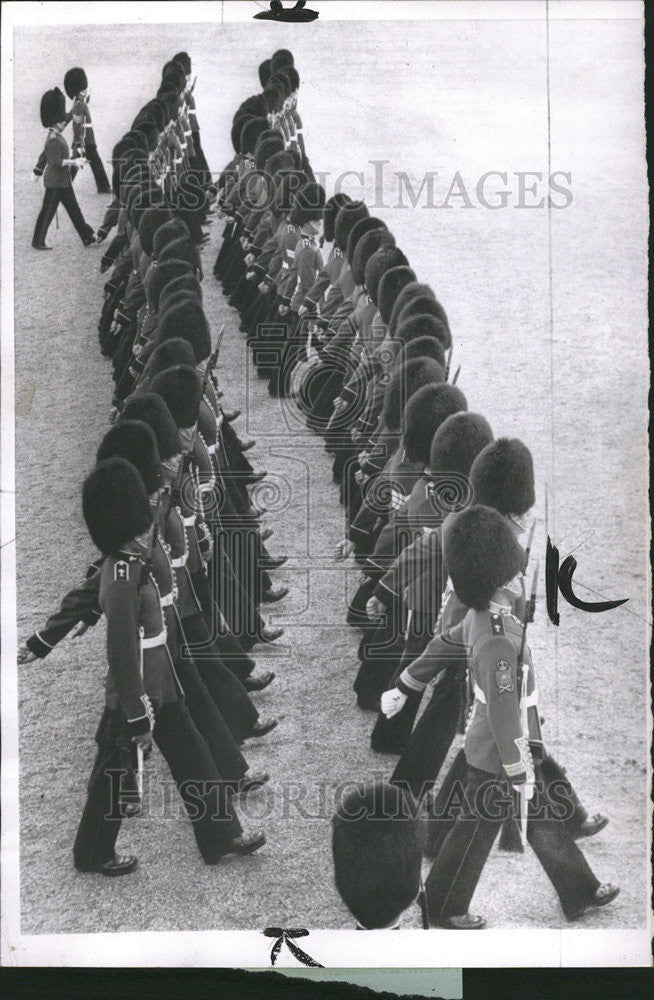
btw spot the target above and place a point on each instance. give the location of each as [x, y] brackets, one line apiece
[435, 508]
[183, 570]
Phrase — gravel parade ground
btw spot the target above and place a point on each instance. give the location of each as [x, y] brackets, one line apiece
[551, 336]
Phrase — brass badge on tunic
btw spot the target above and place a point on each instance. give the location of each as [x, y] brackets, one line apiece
[121, 570]
[503, 677]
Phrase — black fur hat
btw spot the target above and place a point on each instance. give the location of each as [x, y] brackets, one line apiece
[286, 186]
[366, 246]
[421, 347]
[162, 274]
[174, 229]
[264, 71]
[179, 290]
[409, 292]
[180, 249]
[282, 57]
[377, 844]
[169, 353]
[358, 229]
[140, 199]
[423, 415]
[184, 60]
[457, 442]
[254, 105]
[115, 505]
[174, 76]
[386, 257]
[149, 128]
[422, 325]
[151, 409]
[293, 77]
[53, 108]
[75, 81]
[282, 80]
[186, 320]
[332, 206]
[151, 220]
[346, 218]
[307, 205]
[283, 160]
[502, 476]
[237, 127]
[391, 284]
[134, 441]
[425, 305]
[265, 149]
[181, 390]
[250, 132]
[481, 553]
[410, 377]
[273, 97]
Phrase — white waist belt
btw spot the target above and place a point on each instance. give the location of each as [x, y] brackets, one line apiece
[211, 448]
[167, 600]
[189, 521]
[530, 701]
[179, 561]
[149, 642]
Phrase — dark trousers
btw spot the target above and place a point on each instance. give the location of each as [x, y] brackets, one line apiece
[52, 197]
[97, 166]
[206, 798]
[429, 743]
[462, 856]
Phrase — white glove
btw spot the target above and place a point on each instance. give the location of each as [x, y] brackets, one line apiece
[375, 609]
[343, 550]
[36, 177]
[392, 702]
[24, 654]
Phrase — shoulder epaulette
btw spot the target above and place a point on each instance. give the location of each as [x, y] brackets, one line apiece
[496, 624]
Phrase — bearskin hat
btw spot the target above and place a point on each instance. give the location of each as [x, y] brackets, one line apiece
[346, 218]
[282, 80]
[425, 305]
[282, 57]
[377, 844]
[422, 347]
[254, 105]
[357, 231]
[457, 442]
[186, 320]
[422, 325]
[502, 476]
[424, 413]
[140, 198]
[330, 211]
[481, 553]
[264, 71]
[273, 98]
[158, 111]
[175, 229]
[175, 294]
[174, 76]
[250, 132]
[151, 409]
[149, 128]
[181, 391]
[75, 82]
[162, 274]
[169, 353]
[150, 221]
[134, 441]
[293, 77]
[53, 108]
[391, 284]
[286, 186]
[181, 249]
[184, 60]
[411, 291]
[410, 377]
[188, 283]
[115, 505]
[379, 263]
[307, 205]
[366, 246]
[284, 160]
[265, 149]
[169, 94]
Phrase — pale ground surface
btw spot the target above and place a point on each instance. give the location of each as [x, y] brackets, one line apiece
[443, 97]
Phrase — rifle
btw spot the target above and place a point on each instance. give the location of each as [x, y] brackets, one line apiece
[448, 361]
[535, 745]
[456, 375]
[213, 359]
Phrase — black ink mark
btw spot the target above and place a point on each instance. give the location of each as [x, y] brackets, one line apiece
[560, 579]
[285, 936]
[296, 14]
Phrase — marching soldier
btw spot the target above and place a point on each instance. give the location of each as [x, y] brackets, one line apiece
[77, 87]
